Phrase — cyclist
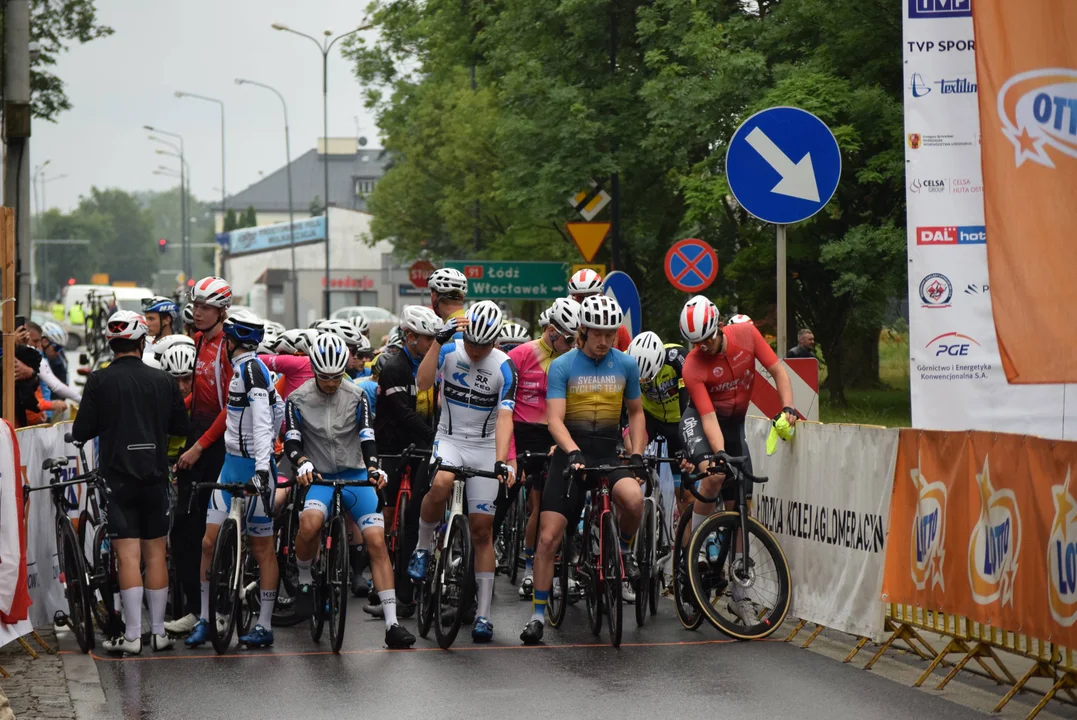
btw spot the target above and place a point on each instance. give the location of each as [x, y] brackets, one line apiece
[339, 450]
[478, 387]
[513, 335]
[287, 357]
[53, 342]
[360, 323]
[178, 360]
[586, 389]
[160, 313]
[448, 289]
[544, 319]
[586, 283]
[49, 381]
[369, 384]
[718, 374]
[532, 361]
[187, 315]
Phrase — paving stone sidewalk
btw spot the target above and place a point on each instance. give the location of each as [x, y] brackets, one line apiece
[37, 688]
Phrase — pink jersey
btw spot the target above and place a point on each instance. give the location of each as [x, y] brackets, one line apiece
[295, 369]
[532, 361]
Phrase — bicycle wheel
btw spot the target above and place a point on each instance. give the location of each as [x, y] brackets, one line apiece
[397, 552]
[510, 533]
[614, 579]
[223, 587]
[453, 588]
[688, 611]
[318, 594]
[337, 585]
[76, 587]
[589, 573]
[250, 596]
[106, 584]
[284, 609]
[644, 551]
[558, 601]
[763, 579]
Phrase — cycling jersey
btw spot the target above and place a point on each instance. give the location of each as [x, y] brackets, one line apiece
[661, 396]
[369, 386]
[722, 383]
[400, 421]
[295, 369]
[255, 411]
[593, 391]
[212, 374]
[473, 392]
[334, 431]
[532, 361]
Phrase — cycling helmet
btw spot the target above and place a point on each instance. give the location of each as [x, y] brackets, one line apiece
[364, 347]
[212, 291]
[513, 334]
[484, 323]
[269, 337]
[245, 329]
[699, 319]
[301, 340]
[329, 355]
[649, 353]
[738, 319]
[396, 338]
[284, 344]
[600, 312]
[544, 318]
[585, 282]
[178, 360]
[343, 330]
[55, 334]
[275, 327]
[314, 325]
[360, 323]
[188, 314]
[159, 304]
[448, 281]
[565, 315]
[125, 325]
[162, 345]
[420, 320]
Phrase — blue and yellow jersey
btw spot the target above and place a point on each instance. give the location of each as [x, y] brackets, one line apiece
[593, 390]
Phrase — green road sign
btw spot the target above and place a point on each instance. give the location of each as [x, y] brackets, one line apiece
[512, 280]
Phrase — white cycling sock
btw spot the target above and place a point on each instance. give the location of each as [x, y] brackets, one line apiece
[426, 534]
[265, 611]
[485, 583]
[131, 598]
[305, 576]
[388, 606]
[205, 601]
[697, 520]
[158, 600]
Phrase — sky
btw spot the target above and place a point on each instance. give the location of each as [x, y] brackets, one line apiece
[120, 83]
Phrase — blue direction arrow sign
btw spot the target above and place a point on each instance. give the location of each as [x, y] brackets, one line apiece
[783, 165]
[623, 290]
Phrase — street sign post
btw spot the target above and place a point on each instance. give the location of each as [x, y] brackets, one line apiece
[783, 166]
[513, 280]
[419, 272]
[691, 265]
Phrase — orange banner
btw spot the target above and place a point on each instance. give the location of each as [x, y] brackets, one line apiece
[1026, 68]
[985, 526]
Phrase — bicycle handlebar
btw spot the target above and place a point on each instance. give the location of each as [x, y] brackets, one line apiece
[243, 486]
[721, 463]
[466, 472]
[343, 483]
[409, 451]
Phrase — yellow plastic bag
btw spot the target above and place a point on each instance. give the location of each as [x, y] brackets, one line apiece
[779, 429]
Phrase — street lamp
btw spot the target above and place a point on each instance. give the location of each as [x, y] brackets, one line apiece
[291, 209]
[184, 179]
[324, 46]
[181, 94]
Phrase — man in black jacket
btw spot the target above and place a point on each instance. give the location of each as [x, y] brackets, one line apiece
[133, 408]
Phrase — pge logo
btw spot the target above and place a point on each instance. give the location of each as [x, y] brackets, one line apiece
[1039, 110]
[952, 344]
[919, 9]
[1062, 556]
[995, 544]
[928, 533]
[936, 291]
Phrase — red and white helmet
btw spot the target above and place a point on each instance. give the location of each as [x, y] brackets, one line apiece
[125, 325]
[738, 319]
[212, 291]
[601, 312]
[699, 319]
[585, 282]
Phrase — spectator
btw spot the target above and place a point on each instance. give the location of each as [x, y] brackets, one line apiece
[805, 347]
[27, 410]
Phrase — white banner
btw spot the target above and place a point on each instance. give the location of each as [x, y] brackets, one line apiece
[828, 504]
[956, 374]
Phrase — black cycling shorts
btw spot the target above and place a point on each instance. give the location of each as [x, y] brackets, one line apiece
[736, 444]
[670, 431]
[533, 438]
[567, 495]
[138, 509]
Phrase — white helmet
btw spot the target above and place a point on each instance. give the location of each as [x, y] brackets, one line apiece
[269, 336]
[699, 319]
[188, 314]
[329, 355]
[649, 353]
[484, 323]
[55, 334]
[420, 320]
[513, 334]
[275, 327]
[343, 330]
[178, 360]
[585, 282]
[360, 323]
[125, 325]
[738, 319]
[301, 340]
[565, 315]
[212, 291]
[162, 345]
[447, 281]
[282, 344]
[600, 312]
[363, 345]
[544, 318]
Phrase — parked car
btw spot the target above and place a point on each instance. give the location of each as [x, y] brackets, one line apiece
[381, 321]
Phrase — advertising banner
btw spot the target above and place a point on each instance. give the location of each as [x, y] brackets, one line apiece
[985, 525]
[1026, 60]
[956, 370]
[272, 237]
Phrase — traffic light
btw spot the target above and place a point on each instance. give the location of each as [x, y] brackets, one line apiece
[162, 246]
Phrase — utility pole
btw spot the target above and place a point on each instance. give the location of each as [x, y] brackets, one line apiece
[615, 178]
[17, 138]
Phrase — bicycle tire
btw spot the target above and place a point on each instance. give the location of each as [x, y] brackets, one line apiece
[589, 574]
[223, 588]
[337, 585]
[399, 559]
[644, 561]
[658, 573]
[425, 608]
[104, 568]
[555, 606]
[730, 521]
[318, 595]
[175, 590]
[688, 611]
[613, 582]
[455, 557]
[250, 602]
[514, 541]
[76, 587]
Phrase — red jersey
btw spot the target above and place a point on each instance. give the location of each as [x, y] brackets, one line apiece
[212, 373]
[722, 383]
[624, 339]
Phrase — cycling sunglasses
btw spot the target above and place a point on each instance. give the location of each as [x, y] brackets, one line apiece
[329, 378]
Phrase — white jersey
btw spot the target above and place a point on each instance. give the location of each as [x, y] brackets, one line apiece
[472, 392]
[255, 411]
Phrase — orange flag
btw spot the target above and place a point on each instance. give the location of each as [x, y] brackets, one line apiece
[1026, 66]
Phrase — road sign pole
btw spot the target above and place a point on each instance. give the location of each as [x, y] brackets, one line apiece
[783, 280]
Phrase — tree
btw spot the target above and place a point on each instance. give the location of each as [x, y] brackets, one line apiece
[231, 222]
[250, 219]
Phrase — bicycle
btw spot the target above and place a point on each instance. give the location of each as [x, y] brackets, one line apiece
[514, 527]
[285, 527]
[394, 532]
[738, 569]
[233, 572]
[449, 586]
[74, 577]
[652, 546]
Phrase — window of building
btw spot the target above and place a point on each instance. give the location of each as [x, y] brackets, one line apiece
[364, 187]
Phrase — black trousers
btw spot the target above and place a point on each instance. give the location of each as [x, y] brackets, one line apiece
[189, 522]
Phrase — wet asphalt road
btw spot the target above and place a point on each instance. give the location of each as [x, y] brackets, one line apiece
[661, 671]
